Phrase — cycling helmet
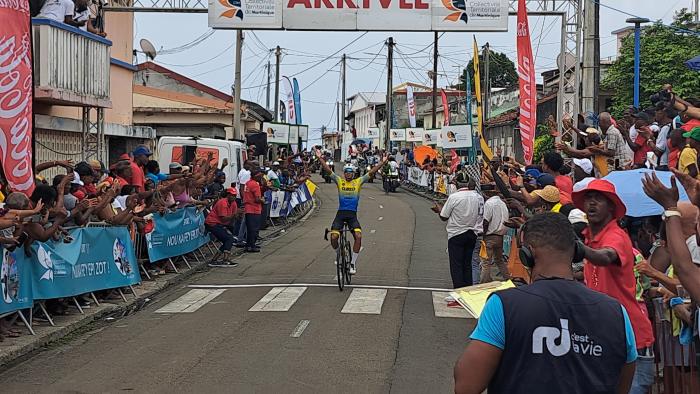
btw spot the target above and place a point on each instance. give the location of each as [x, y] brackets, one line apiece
[348, 168]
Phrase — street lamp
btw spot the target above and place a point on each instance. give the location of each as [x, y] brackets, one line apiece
[637, 28]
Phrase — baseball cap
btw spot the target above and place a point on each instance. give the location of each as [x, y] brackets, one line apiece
[577, 216]
[76, 179]
[533, 173]
[175, 166]
[643, 116]
[694, 133]
[548, 193]
[231, 191]
[545, 180]
[585, 165]
[592, 130]
[275, 163]
[142, 150]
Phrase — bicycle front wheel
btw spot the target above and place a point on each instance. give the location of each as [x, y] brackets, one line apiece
[348, 260]
[340, 264]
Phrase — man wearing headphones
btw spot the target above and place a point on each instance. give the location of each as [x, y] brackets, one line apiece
[554, 335]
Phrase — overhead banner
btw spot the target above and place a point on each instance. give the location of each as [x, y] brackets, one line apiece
[458, 136]
[176, 234]
[431, 137]
[397, 135]
[414, 134]
[411, 106]
[277, 133]
[16, 96]
[369, 15]
[528, 86]
[372, 133]
[304, 132]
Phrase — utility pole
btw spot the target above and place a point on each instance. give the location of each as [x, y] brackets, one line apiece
[435, 70]
[267, 97]
[344, 93]
[278, 54]
[487, 84]
[389, 92]
[591, 56]
[337, 116]
[237, 132]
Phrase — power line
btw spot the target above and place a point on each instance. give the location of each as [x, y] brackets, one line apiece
[189, 45]
[200, 63]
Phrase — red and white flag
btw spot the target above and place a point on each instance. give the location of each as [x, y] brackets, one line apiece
[411, 106]
[16, 96]
[445, 108]
[528, 86]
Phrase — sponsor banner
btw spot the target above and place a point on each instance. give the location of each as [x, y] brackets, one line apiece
[283, 202]
[373, 132]
[277, 133]
[398, 135]
[370, 15]
[304, 132]
[445, 108]
[16, 96]
[98, 258]
[458, 136]
[411, 106]
[528, 87]
[176, 233]
[297, 100]
[414, 175]
[293, 134]
[440, 184]
[289, 101]
[430, 137]
[15, 281]
[277, 203]
[414, 134]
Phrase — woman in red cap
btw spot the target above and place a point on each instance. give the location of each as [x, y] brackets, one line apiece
[609, 268]
[219, 219]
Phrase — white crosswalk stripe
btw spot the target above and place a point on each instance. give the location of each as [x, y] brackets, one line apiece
[279, 299]
[365, 301]
[442, 310]
[191, 301]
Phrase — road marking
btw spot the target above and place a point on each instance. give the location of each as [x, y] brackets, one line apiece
[442, 310]
[365, 301]
[191, 301]
[371, 198]
[381, 207]
[300, 329]
[305, 285]
[278, 299]
[372, 231]
[381, 218]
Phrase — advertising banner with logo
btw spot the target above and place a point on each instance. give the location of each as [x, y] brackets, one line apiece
[458, 136]
[304, 132]
[372, 132]
[16, 96]
[430, 137]
[278, 204]
[15, 281]
[176, 233]
[277, 133]
[297, 100]
[414, 134]
[445, 108]
[528, 86]
[370, 15]
[414, 175]
[282, 203]
[98, 258]
[411, 106]
[293, 134]
[289, 100]
[397, 135]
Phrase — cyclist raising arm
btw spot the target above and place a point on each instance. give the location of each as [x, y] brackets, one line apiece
[349, 189]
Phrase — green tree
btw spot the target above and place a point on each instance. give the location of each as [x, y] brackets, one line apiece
[501, 71]
[664, 51]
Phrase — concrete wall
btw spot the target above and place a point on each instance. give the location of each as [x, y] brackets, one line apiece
[156, 80]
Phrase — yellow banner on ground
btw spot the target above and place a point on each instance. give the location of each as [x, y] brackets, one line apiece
[486, 151]
[473, 298]
[311, 186]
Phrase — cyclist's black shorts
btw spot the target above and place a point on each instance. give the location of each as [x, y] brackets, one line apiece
[343, 217]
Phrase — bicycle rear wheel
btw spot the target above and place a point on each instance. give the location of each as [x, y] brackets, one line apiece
[340, 262]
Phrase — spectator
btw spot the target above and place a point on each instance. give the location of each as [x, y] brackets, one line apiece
[60, 11]
[217, 223]
[616, 149]
[664, 118]
[583, 168]
[253, 201]
[525, 331]
[688, 161]
[141, 156]
[609, 268]
[153, 174]
[552, 164]
[216, 188]
[85, 16]
[676, 142]
[464, 213]
[638, 138]
[495, 216]
[273, 175]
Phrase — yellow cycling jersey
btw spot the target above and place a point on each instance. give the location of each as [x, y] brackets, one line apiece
[349, 192]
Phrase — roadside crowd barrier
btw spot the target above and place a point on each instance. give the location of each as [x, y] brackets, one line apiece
[427, 181]
[284, 203]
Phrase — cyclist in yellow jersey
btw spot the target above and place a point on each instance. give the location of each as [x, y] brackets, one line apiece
[349, 189]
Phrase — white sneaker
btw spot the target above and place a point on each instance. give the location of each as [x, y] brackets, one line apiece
[353, 270]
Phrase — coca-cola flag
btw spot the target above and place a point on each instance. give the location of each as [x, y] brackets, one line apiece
[528, 87]
[411, 106]
[445, 108]
[16, 96]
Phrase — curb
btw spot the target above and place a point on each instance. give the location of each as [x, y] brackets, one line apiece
[109, 311]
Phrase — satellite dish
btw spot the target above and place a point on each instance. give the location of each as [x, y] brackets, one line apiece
[148, 49]
[569, 61]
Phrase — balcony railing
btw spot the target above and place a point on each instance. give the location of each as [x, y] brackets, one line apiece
[71, 66]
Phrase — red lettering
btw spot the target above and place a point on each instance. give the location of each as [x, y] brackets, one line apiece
[327, 3]
[305, 3]
[405, 5]
[349, 3]
[385, 3]
[365, 4]
[420, 5]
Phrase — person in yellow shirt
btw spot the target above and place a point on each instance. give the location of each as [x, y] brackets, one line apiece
[688, 161]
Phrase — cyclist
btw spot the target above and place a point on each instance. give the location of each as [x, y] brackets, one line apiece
[349, 197]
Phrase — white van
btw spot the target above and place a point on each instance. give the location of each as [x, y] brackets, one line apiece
[184, 150]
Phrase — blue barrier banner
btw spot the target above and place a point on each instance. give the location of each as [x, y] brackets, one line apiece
[15, 281]
[98, 258]
[176, 233]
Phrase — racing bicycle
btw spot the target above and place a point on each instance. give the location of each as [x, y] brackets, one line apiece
[343, 257]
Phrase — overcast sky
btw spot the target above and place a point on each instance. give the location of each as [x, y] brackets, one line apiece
[367, 63]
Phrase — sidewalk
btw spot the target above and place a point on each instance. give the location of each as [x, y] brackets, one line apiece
[74, 322]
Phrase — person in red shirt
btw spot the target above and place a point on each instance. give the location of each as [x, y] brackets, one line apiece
[253, 201]
[640, 145]
[219, 219]
[552, 163]
[141, 157]
[609, 268]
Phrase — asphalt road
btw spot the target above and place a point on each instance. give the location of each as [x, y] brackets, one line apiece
[244, 329]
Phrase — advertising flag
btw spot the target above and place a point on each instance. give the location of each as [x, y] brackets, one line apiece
[297, 100]
[528, 87]
[445, 108]
[289, 101]
[16, 96]
[411, 106]
[486, 151]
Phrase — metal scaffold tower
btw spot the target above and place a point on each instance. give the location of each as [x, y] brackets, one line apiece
[92, 144]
